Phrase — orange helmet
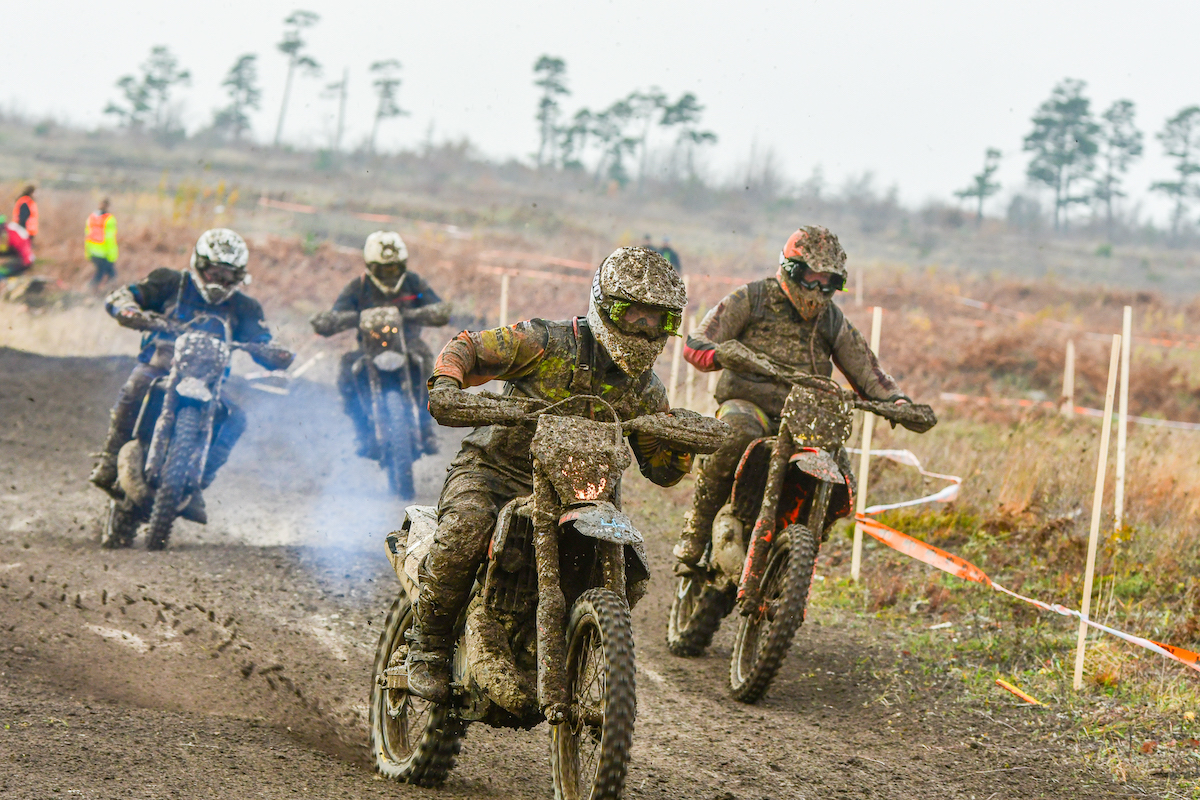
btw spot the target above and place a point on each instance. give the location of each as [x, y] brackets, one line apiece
[817, 249]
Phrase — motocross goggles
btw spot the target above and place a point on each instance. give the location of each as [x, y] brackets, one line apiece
[219, 273]
[644, 320]
[800, 273]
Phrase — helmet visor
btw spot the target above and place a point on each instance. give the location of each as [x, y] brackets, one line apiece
[216, 272]
[802, 274]
[640, 319]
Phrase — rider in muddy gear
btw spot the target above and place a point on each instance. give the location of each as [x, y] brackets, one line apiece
[789, 319]
[158, 305]
[636, 304]
[387, 282]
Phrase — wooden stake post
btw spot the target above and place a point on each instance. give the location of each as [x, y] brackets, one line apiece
[504, 300]
[1122, 421]
[1068, 392]
[1085, 605]
[864, 464]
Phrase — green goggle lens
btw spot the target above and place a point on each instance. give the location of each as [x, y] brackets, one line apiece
[670, 322]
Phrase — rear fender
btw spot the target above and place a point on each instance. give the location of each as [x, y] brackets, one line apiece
[407, 547]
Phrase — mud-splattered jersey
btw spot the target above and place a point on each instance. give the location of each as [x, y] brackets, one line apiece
[760, 316]
[553, 361]
[173, 294]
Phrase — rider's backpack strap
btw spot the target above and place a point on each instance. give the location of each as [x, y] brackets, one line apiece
[581, 373]
[758, 298]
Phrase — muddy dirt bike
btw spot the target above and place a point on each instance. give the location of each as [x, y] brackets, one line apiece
[160, 468]
[788, 491]
[388, 395]
[546, 634]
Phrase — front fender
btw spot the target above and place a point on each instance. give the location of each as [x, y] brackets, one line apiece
[604, 521]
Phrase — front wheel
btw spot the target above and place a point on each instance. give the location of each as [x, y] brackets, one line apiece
[176, 473]
[589, 753]
[412, 740]
[399, 447]
[763, 638]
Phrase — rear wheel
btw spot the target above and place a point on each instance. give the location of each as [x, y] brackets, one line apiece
[589, 753]
[176, 472]
[763, 638]
[412, 740]
[401, 440]
[120, 526]
[696, 613]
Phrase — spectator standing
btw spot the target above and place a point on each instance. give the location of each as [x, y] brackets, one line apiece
[25, 212]
[669, 254]
[100, 244]
[15, 249]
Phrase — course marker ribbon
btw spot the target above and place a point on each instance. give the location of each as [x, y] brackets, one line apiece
[909, 459]
[961, 568]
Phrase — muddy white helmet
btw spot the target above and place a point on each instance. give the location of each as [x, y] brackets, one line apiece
[218, 264]
[387, 259]
[637, 302]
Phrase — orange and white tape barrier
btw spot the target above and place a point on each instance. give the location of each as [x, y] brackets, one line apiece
[909, 459]
[961, 568]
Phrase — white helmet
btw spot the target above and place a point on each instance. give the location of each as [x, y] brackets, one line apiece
[387, 259]
[637, 302]
[218, 264]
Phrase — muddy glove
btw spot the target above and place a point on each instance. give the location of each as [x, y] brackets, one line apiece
[734, 355]
[271, 356]
[140, 320]
[327, 323]
[435, 314]
[918, 418]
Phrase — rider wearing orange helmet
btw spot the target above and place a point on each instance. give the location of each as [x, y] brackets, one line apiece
[789, 319]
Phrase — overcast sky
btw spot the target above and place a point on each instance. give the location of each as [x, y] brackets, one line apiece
[914, 92]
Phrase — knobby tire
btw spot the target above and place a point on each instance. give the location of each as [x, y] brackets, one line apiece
[398, 449]
[696, 613]
[174, 479]
[418, 748]
[786, 583]
[599, 621]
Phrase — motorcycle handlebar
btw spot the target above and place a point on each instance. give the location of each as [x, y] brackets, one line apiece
[680, 428]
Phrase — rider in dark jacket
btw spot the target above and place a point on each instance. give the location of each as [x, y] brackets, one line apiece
[159, 305]
[386, 282]
[789, 319]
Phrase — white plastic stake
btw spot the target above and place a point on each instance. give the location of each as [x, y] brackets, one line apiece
[689, 372]
[1122, 420]
[1068, 392]
[676, 359]
[864, 464]
[503, 300]
[1085, 604]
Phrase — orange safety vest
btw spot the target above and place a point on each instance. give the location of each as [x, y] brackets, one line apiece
[31, 224]
[95, 223]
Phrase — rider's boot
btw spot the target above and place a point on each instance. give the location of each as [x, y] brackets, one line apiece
[120, 430]
[104, 475]
[428, 665]
[711, 494]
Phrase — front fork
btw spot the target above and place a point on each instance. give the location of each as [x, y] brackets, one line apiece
[553, 694]
[763, 536]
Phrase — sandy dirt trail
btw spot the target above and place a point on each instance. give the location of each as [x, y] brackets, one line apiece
[236, 664]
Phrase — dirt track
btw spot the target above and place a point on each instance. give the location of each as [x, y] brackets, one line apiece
[236, 664]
